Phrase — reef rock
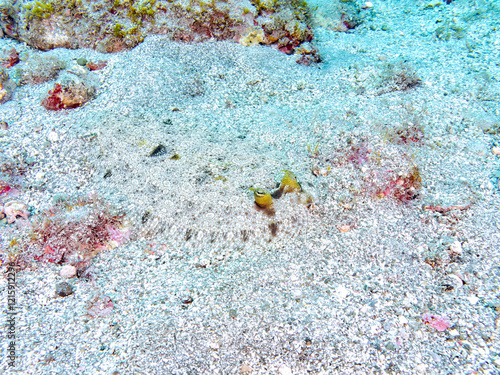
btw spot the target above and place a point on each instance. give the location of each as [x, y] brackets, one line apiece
[114, 25]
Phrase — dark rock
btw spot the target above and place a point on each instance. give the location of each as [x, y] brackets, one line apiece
[64, 289]
[186, 300]
[159, 150]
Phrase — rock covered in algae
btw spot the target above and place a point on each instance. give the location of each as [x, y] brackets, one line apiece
[7, 86]
[114, 25]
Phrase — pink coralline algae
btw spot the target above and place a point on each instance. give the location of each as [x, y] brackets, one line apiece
[96, 66]
[117, 236]
[69, 95]
[404, 188]
[73, 232]
[358, 154]
[440, 323]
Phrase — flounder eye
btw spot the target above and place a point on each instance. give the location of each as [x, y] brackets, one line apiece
[260, 192]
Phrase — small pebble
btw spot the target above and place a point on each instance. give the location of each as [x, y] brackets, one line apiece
[4, 125]
[390, 346]
[421, 368]
[453, 333]
[186, 300]
[53, 137]
[245, 369]
[473, 300]
[496, 151]
[158, 150]
[81, 61]
[456, 247]
[64, 289]
[67, 272]
[214, 345]
[341, 292]
[285, 370]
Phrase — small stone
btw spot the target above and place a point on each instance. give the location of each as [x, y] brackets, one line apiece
[390, 346]
[186, 300]
[64, 289]
[456, 247]
[421, 368]
[82, 61]
[341, 292]
[453, 333]
[214, 345]
[4, 125]
[456, 281]
[158, 150]
[67, 272]
[344, 228]
[496, 151]
[245, 369]
[53, 136]
[285, 370]
[202, 263]
[485, 337]
[49, 358]
[473, 300]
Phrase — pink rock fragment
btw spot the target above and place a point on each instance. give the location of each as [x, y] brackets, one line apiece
[440, 323]
[15, 209]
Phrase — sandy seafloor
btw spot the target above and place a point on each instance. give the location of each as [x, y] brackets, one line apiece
[343, 286]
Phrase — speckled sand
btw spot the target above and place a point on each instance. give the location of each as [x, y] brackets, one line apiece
[343, 286]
